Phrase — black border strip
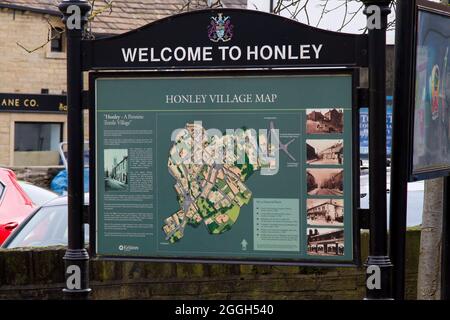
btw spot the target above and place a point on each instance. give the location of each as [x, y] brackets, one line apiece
[356, 259]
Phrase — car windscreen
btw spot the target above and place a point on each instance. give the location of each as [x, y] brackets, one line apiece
[47, 227]
[38, 195]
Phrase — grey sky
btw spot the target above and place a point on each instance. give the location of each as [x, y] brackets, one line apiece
[333, 20]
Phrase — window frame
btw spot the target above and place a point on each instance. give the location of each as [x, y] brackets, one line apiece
[61, 133]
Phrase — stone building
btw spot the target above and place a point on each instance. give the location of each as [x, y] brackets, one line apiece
[120, 171]
[335, 152]
[334, 117]
[33, 65]
[310, 152]
[335, 182]
[315, 116]
[328, 209]
[330, 242]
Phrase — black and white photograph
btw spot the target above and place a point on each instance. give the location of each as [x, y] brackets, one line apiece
[324, 152]
[322, 121]
[325, 241]
[321, 182]
[116, 169]
[325, 212]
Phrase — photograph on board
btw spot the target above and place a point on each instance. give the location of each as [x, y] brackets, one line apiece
[325, 182]
[324, 152]
[320, 121]
[325, 241]
[116, 169]
[325, 212]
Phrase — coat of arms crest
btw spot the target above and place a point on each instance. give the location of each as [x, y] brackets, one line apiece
[220, 28]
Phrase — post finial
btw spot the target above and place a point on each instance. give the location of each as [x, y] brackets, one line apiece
[84, 8]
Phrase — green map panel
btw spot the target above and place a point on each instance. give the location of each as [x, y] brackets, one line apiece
[255, 168]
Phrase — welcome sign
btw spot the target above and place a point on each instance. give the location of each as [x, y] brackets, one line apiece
[226, 53]
[228, 39]
[249, 163]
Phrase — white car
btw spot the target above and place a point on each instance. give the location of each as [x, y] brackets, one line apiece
[415, 196]
[38, 195]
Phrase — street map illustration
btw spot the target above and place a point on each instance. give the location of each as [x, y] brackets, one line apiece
[210, 193]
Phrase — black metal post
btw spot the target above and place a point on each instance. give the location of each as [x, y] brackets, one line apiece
[76, 258]
[378, 264]
[445, 263]
[400, 137]
[445, 258]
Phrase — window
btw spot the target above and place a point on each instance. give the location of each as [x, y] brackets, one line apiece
[56, 42]
[32, 136]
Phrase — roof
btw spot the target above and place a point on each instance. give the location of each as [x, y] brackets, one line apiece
[125, 15]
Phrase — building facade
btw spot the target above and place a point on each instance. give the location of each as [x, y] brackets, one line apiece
[33, 53]
[120, 171]
[328, 243]
[28, 136]
[329, 209]
[334, 117]
[334, 152]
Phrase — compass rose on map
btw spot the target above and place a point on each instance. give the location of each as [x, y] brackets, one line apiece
[282, 146]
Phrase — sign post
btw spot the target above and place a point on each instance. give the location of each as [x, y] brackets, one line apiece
[76, 257]
[378, 263]
[399, 158]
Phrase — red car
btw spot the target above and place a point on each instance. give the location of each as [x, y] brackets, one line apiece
[15, 204]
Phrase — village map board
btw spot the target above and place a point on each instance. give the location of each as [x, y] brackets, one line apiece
[224, 167]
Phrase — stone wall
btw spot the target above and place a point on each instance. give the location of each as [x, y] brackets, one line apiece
[39, 176]
[26, 72]
[39, 274]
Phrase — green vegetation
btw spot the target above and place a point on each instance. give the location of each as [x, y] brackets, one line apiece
[213, 228]
[176, 237]
[233, 213]
[220, 184]
[243, 198]
[226, 190]
[205, 207]
[247, 169]
[193, 223]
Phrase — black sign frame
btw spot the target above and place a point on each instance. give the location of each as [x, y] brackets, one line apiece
[356, 252]
[250, 29]
[416, 7]
[347, 53]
